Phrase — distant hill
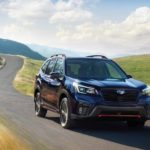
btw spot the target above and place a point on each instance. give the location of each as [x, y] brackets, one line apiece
[138, 66]
[16, 48]
[48, 51]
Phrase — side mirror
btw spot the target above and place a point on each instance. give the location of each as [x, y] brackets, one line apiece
[55, 75]
[129, 76]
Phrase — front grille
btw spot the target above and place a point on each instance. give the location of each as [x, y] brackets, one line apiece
[120, 95]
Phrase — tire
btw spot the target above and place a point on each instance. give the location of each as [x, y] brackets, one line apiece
[65, 114]
[39, 111]
[136, 124]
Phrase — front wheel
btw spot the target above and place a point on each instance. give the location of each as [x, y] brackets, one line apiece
[39, 111]
[65, 114]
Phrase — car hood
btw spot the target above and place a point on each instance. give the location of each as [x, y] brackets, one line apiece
[126, 83]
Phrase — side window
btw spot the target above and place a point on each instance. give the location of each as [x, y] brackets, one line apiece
[50, 66]
[43, 68]
[59, 67]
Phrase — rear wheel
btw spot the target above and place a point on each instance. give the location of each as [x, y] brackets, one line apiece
[65, 114]
[136, 124]
[39, 111]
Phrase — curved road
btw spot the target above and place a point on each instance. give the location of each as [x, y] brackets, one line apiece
[44, 134]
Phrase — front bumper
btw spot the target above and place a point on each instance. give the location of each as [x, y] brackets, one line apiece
[118, 111]
[84, 106]
[103, 111]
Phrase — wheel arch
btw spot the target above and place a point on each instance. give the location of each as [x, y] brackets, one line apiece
[63, 93]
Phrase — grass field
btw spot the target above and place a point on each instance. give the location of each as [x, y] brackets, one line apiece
[137, 66]
[24, 81]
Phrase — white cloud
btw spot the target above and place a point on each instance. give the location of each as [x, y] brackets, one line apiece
[75, 15]
[63, 5]
[28, 21]
[70, 11]
[140, 16]
[27, 11]
[79, 33]
[128, 36]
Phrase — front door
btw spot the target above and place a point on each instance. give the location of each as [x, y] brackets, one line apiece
[55, 84]
[47, 94]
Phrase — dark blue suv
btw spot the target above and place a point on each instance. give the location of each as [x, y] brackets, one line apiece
[92, 86]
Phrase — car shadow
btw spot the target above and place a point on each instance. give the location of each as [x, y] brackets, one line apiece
[117, 132]
[113, 131]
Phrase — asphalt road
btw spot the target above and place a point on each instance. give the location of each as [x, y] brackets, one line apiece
[44, 134]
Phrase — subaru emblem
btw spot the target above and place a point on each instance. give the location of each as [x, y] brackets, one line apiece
[121, 92]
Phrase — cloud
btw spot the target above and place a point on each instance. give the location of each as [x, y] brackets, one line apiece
[128, 36]
[29, 21]
[76, 15]
[27, 11]
[140, 16]
[70, 11]
[63, 5]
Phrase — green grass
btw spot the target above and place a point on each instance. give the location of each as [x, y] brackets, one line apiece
[24, 81]
[137, 66]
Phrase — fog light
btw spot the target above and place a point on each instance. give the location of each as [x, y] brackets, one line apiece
[82, 110]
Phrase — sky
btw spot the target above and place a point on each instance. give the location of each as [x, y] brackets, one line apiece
[109, 27]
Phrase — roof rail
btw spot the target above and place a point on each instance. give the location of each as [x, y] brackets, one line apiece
[98, 56]
[63, 55]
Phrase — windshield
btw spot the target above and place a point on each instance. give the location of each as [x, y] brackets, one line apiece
[93, 69]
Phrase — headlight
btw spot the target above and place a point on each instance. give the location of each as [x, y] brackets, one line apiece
[84, 89]
[146, 91]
